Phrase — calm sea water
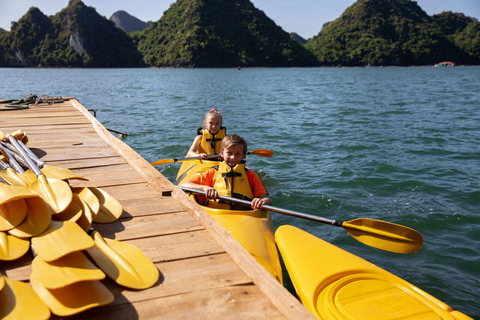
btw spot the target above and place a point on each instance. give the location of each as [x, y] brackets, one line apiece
[395, 144]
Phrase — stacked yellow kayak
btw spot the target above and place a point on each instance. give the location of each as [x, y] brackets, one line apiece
[253, 229]
[335, 284]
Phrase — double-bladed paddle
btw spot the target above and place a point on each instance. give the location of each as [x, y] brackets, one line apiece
[375, 233]
[259, 152]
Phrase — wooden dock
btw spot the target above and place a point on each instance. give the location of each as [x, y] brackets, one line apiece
[204, 272]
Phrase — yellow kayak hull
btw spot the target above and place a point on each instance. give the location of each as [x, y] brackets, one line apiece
[253, 229]
[335, 284]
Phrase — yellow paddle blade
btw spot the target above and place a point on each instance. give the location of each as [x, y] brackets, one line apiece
[13, 178]
[262, 153]
[72, 268]
[60, 239]
[384, 235]
[110, 208]
[11, 247]
[72, 213]
[123, 262]
[12, 214]
[19, 301]
[86, 219]
[2, 281]
[74, 298]
[163, 161]
[59, 173]
[1, 135]
[38, 219]
[56, 193]
[9, 193]
[89, 198]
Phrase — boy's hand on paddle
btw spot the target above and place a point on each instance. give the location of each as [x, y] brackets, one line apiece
[210, 193]
[257, 203]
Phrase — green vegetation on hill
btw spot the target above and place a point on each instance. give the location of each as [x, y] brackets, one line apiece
[463, 31]
[384, 32]
[225, 33]
[77, 36]
[219, 33]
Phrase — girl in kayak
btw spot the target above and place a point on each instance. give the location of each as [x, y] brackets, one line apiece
[231, 177]
[209, 137]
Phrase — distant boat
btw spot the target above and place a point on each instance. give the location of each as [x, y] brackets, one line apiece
[445, 64]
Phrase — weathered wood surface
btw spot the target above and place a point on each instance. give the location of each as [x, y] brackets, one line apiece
[204, 272]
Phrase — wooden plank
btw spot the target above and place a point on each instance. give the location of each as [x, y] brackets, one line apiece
[128, 192]
[60, 141]
[49, 121]
[55, 112]
[120, 174]
[233, 302]
[88, 162]
[149, 226]
[149, 206]
[76, 152]
[178, 246]
[182, 276]
[48, 130]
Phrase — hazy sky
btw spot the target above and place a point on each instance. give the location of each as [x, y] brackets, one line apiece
[305, 17]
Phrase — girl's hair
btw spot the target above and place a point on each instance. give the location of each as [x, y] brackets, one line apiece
[214, 113]
[233, 140]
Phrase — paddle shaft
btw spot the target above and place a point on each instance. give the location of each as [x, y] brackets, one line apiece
[194, 158]
[32, 155]
[29, 152]
[272, 208]
[10, 157]
[260, 152]
[22, 152]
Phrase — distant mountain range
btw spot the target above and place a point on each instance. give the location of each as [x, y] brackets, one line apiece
[225, 33]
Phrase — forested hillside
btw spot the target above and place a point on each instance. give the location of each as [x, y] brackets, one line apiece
[391, 32]
[77, 36]
[219, 33]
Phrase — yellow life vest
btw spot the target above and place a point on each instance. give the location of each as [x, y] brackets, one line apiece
[210, 144]
[233, 182]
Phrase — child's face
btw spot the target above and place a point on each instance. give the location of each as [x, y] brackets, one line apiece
[213, 123]
[233, 155]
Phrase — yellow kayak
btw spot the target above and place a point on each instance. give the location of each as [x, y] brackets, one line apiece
[335, 284]
[253, 229]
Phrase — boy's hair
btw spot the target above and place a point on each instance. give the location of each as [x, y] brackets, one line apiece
[214, 113]
[233, 140]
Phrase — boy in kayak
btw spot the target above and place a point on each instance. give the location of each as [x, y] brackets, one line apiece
[209, 137]
[231, 177]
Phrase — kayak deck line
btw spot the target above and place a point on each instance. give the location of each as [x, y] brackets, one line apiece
[204, 271]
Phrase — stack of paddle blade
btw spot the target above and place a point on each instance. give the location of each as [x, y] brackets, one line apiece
[39, 209]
